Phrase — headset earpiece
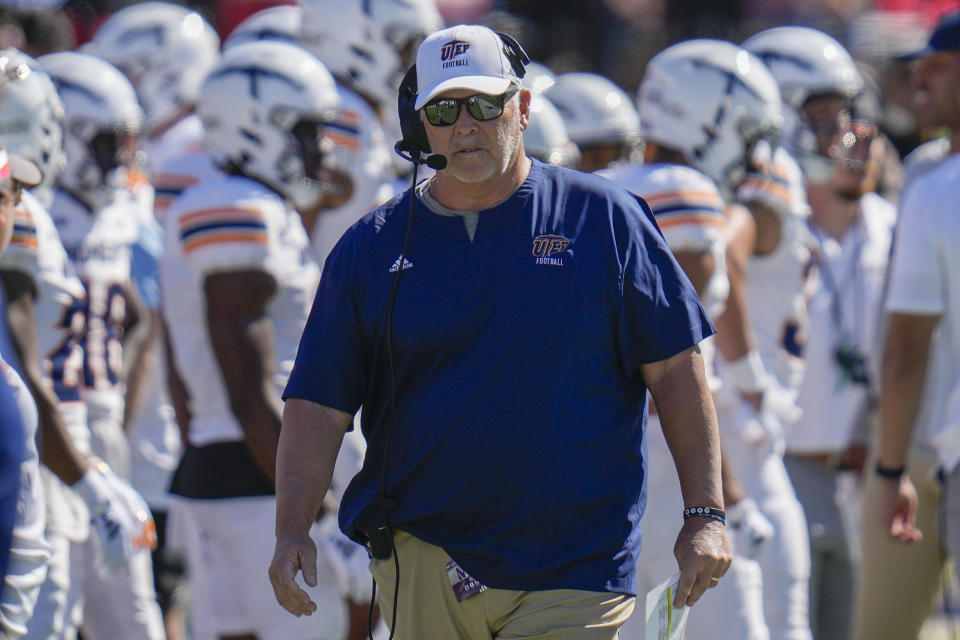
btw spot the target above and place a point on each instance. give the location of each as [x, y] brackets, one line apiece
[515, 54]
[414, 134]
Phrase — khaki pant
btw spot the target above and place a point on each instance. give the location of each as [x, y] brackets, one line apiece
[898, 583]
[429, 610]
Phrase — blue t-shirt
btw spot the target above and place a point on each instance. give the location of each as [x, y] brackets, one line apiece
[518, 439]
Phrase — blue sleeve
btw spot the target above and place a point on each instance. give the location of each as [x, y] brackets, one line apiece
[145, 265]
[12, 453]
[332, 361]
[661, 314]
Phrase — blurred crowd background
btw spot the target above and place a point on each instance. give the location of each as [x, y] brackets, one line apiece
[614, 38]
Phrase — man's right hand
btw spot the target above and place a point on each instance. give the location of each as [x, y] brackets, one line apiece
[704, 554]
[294, 553]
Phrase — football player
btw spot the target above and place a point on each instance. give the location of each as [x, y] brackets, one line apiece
[239, 278]
[98, 222]
[692, 215]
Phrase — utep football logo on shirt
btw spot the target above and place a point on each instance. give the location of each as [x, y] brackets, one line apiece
[451, 51]
[547, 249]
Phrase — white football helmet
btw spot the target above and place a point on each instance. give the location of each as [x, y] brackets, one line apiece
[403, 24]
[102, 124]
[164, 49]
[31, 117]
[545, 137]
[264, 109]
[595, 111]
[281, 23]
[806, 63]
[368, 45]
[341, 35]
[538, 78]
[714, 102]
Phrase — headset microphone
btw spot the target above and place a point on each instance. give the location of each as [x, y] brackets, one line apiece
[436, 161]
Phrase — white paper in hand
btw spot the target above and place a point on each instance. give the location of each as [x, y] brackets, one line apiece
[663, 620]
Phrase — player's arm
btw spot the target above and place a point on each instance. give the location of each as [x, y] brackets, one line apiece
[734, 334]
[309, 443]
[140, 332]
[57, 451]
[241, 334]
[179, 396]
[905, 356]
[679, 389]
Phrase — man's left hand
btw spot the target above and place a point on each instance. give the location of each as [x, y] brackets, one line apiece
[703, 554]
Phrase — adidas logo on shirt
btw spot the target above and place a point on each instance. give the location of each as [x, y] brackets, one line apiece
[396, 265]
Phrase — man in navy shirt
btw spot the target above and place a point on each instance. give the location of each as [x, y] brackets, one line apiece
[537, 307]
[13, 450]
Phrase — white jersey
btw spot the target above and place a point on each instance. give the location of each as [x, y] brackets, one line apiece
[155, 445]
[186, 136]
[100, 244]
[60, 312]
[362, 144]
[925, 280]
[29, 551]
[177, 174]
[845, 310]
[36, 251]
[776, 282]
[227, 225]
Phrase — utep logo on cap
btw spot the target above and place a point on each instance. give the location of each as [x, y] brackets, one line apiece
[450, 51]
[547, 249]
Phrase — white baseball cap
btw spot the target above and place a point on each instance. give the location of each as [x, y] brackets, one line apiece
[19, 168]
[462, 57]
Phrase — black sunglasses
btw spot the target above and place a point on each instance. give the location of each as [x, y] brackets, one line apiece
[443, 112]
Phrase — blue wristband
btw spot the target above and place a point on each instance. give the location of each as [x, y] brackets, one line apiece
[705, 512]
[890, 473]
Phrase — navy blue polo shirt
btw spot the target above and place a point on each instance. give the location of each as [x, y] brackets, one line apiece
[518, 440]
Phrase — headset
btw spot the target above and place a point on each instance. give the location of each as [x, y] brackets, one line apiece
[415, 147]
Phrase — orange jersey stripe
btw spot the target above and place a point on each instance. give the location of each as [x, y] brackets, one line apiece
[685, 196]
[26, 241]
[258, 237]
[218, 213]
[697, 218]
